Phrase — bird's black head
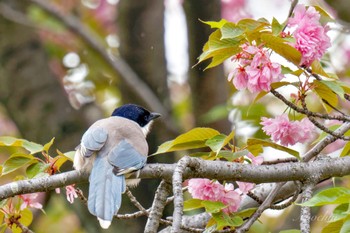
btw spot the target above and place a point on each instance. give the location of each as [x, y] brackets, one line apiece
[135, 113]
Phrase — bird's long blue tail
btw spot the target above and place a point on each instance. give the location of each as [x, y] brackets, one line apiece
[105, 191]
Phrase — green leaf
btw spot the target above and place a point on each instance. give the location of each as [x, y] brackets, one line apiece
[255, 146]
[215, 24]
[279, 46]
[325, 93]
[224, 220]
[3, 227]
[219, 49]
[192, 204]
[213, 206]
[276, 27]
[333, 227]
[335, 86]
[346, 150]
[230, 30]
[336, 195]
[69, 155]
[286, 70]
[48, 145]
[16, 161]
[251, 24]
[216, 143]
[346, 226]
[204, 155]
[246, 213]
[275, 85]
[325, 17]
[193, 139]
[59, 161]
[340, 212]
[36, 169]
[32, 147]
[318, 69]
[230, 155]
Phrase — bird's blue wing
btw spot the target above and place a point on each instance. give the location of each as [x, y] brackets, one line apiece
[93, 140]
[105, 191]
[125, 158]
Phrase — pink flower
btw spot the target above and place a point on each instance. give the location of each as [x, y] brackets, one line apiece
[311, 38]
[255, 72]
[256, 160]
[205, 189]
[232, 199]
[241, 78]
[71, 193]
[303, 15]
[287, 132]
[234, 10]
[30, 200]
[244, 187]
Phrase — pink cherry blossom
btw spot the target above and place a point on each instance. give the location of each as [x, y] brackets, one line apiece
[255, 71]
[287, 132]
[205, 189]
[30, 200]
[232, 199]
[241, 78]
[71, 193]
[244, 187]
[256, 160]
[301, 15]
[311, 37]
[234, 10]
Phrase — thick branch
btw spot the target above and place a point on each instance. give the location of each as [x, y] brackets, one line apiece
[322, 169]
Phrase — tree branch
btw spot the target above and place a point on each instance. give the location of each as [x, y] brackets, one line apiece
[219, 170]
[309, 113]
[265, 205]
[305, 213]
[157, 208]
[179, 171]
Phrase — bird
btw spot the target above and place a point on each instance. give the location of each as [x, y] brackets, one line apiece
[111, 149]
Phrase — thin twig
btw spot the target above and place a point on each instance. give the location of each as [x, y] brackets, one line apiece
[266, 204]
[290, 201]
[319, 125]
[81, 195]
[325, 142]
[134, 201]
[254, 197]
[133, 215]
[309, 113]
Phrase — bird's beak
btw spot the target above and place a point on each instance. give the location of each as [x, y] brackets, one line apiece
[154, 115]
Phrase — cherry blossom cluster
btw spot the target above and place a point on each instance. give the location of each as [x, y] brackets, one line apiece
[255, 70]
[311, 37]
[205, 189]
[288, 132]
